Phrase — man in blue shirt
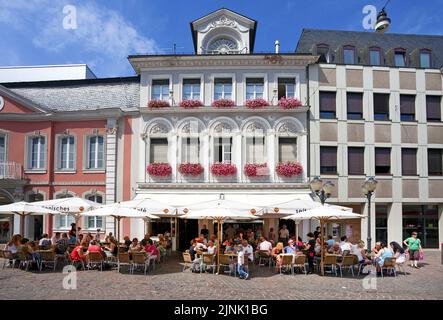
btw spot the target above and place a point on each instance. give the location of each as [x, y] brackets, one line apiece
[290, 248]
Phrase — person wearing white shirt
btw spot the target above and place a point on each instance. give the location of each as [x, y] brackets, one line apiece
[211, 248]
[264, 245]
[240, 263]
[344, 244]
[248, 251]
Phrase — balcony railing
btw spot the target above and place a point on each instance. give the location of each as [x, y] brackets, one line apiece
[11, 171]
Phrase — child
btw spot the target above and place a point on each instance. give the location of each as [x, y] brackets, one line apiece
[241, 262]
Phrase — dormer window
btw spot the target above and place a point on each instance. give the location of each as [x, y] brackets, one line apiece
[223, 46]
[400, 57]
[348, 55]
[323, 52]
[374, 56]
[425, 58]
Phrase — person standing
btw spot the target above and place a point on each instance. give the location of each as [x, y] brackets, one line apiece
[271, 236]
[414, 246]
[204, 231]
[317, 232]
[283, 235]
[310, 246]
[240, 263]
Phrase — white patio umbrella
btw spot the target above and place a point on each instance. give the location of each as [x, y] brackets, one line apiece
[72, 206]
[220, 210]
[118, 211]
[24, 209]
[151, 206]
[324, 214]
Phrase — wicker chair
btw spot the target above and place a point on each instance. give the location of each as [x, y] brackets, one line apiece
[139, 259]
[187, 261]
[300, 263]
[123, 260]
[208, 261]
[287, 262]
[264, 256]
[48, 258]
[330, 261]
[347, 262]
[95, 259]
[389, 265]
[226, 261]
[24, 260]
[10, 259]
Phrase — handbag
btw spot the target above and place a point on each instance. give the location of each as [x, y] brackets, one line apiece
[420, 256]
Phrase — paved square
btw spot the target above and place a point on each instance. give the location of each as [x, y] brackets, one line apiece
[169, 282]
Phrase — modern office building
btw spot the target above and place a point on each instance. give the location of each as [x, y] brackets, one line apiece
[376, 110]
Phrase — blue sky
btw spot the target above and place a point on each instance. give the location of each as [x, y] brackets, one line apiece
[32, 33]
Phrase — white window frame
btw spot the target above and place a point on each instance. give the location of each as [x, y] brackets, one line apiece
[5, 137]
[277, 142]
[28, 153]
[224, 146]
[297, 93]
[160, 77]
[86, 152]
[224, 75]
[58, 165]
[148, 146]
[199, 146]
[427, 53]
[264, 76]
[192, 76]
[67, 219]
[86, 195]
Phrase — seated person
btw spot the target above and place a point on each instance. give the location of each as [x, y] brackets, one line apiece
[299, 244]
[230, 248]
[399, 252]
[45, 242]
[135, 246]
[200, 246]
[192, 250]
[264, 245]
[25, 247]
[335, 249]
[62, 244]
[382, 254]
[276, 254]
[211, 248]
[359, 251]
[112, 247]
[72, 237]
[330, 241]
[317, 247]
[78, 256]
[377, 248]
[127, 242]
[94, 247]
[248, 250]
[290, 248]
[151, 250]
[345, 245]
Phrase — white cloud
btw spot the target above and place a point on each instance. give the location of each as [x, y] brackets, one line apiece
[102, 34]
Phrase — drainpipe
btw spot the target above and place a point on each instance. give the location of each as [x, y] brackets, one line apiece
[308, 125]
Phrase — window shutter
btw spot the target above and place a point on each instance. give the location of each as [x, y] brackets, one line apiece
[355, 102]
[159, 150]
[328, 156]
[287, 149]
[383, 157]
[407, 104]
[409, 161]
[327, 101]
[433, 108]
[356, 160]
[381, 103]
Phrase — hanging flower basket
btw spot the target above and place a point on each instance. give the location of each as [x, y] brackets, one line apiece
[289, 169]
[157, 104]
[160, 169]
[187, 104]
[223, 103]
[190, 169]
[256, 169]
[256, 103]
[289, 103]
[223, 169]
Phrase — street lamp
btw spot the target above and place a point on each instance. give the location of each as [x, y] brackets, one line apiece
[383, 22]
[322, 190]
[368, 189]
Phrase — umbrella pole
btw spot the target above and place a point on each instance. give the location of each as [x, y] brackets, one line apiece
[77, 236]
[218, 245]
[22, 224]
[322, 236]
[118, 236]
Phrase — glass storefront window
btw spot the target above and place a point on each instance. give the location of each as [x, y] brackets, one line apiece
[381, 223]
[424, 220]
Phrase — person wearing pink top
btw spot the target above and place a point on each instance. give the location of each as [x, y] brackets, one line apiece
[152, 251]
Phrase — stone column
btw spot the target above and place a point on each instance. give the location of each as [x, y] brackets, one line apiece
[395, 222]
[111, 169]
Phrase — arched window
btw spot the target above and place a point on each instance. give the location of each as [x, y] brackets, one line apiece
[223, 45]
[189, 139]
[255, 141]
[287, 134]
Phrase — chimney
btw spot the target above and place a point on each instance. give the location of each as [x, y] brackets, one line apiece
[277, 46]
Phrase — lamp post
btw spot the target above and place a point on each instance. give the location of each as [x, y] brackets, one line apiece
[322, 190]
[383, 22]
[368, 189]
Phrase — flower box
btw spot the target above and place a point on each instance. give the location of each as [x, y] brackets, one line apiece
[289, 169]
[256, 169]
[157, 104]
[159, 169]
[223, 169]
[187, 104]
[256, 103]
[190, 169]
[223, 103]
[289, 103]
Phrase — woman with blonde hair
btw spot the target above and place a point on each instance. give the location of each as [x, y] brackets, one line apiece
[276, 254]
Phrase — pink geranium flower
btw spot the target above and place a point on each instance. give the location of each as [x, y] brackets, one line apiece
[289, 169]
[223, 169]
[159, 169]
[190, 169]
[256, 169]
[289, 103]
[190, 104]
[223, 103]
[156, 104]
[256, 103]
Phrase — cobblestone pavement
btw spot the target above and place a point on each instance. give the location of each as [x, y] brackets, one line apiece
[169, 282]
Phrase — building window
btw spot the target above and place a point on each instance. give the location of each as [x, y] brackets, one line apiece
[66, 153]
[433, 108]
[63, 221]
[349, 55]
[37, 153]
[423, 220]
[2, 148]
[374, 56]
[222, 88]
[435, 162]
[223, 149]
[255, 149]
[425, 58]
[407, 107]
[356, 161]
[323, 52]
[158, 150]
[254, 88]
[400, 58]
[96, 222]
[355, 105]
[381, 106]
[381, 223]
[328, 160]
[190, 150]
[327, 105]
[382, 161]
[286, 88]
[95, 152]
[160, 89]
[191, 89]
[287, 149]
[34, 197]
[409, 161]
